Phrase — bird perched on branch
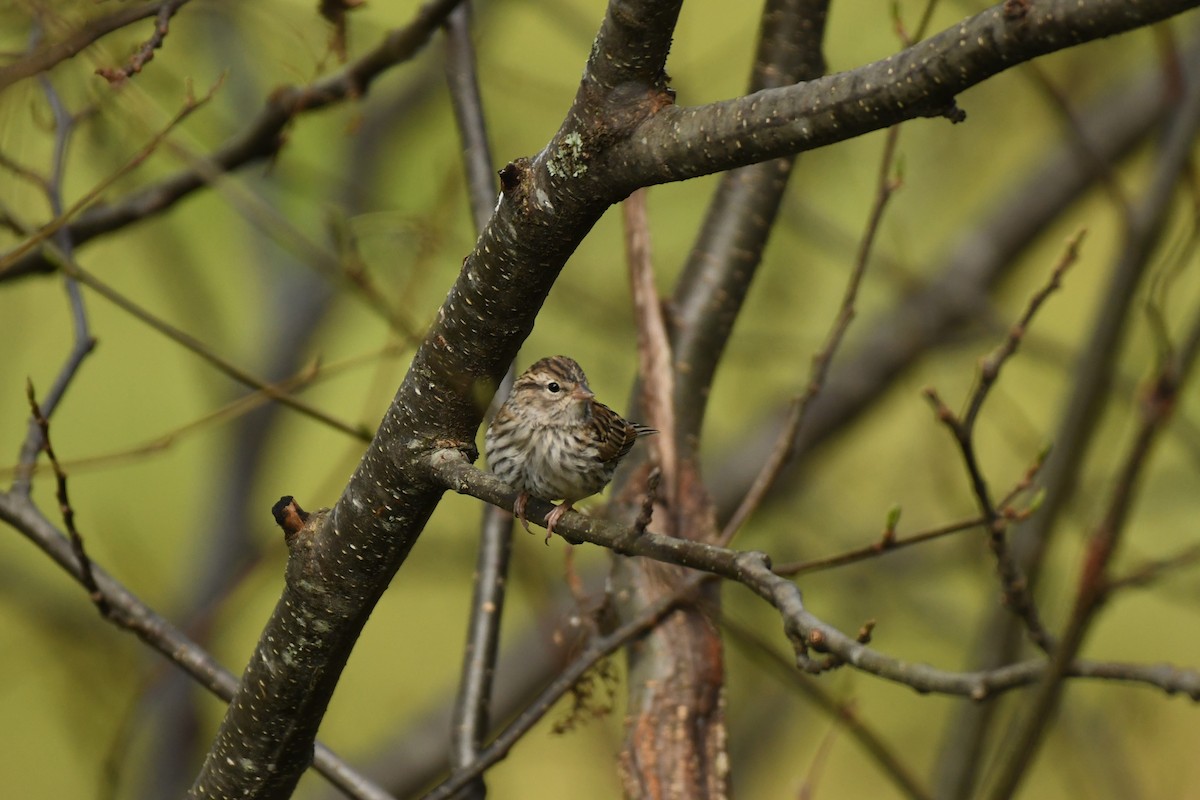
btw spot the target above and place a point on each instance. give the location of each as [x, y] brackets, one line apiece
[552, 439]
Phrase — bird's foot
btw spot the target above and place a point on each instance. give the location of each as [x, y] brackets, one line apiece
[554, 516]
[519, 509]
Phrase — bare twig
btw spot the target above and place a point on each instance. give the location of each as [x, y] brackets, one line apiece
[51, 53]
[1145, 574]
[885, 544]
[63, 217]
[1017, 592]
[886, 185]
[261, 139]
[86, 576]
[1079, 418]
[334, 12]
[70, 267]
[1157, 403]
[989, 367]
[145, 52]
[648, 500]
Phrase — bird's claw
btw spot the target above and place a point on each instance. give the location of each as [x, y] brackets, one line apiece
[553, 517]
[519, 510]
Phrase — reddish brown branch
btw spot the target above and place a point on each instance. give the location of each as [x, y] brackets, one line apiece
[657, 380]
[145, 53]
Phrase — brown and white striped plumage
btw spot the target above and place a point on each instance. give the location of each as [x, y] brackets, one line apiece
[553, 440]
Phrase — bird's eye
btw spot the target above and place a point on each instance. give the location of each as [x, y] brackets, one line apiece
[553, 386]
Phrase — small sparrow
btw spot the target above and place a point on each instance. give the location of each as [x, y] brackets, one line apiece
[553, 440]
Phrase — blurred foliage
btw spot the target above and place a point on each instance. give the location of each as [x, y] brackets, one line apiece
[236, 267]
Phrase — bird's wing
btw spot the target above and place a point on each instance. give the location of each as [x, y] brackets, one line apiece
[616, 434]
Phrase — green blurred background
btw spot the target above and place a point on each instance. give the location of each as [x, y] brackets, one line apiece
[236, 267]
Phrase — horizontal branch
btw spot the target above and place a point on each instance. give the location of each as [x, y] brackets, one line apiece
[679, 143]
[805, 631]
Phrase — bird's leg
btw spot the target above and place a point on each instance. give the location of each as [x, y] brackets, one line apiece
[554, 516]
[519, 509]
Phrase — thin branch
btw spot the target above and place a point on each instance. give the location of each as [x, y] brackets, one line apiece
[1156, 406]
[884, 544]
[597, 649]
[69, 267]
[86, 576]
[64, 216]
[52, 53]
[886, 185]
[82, 341]
[467, 102]
[1017, 595]
[989, 368]
[130, 613]
[145, 52]
[415, 758]
[921, 81]
[260, 140]
[309, 375]
[729, 247]
[23, 172]
[805, 631]
[1147, 573]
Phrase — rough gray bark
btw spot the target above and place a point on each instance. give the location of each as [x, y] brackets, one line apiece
[622, 132]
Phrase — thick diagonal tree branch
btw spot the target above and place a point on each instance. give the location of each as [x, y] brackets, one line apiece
[337, 574]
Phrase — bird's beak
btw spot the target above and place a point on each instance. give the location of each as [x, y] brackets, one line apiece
[582, 393]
